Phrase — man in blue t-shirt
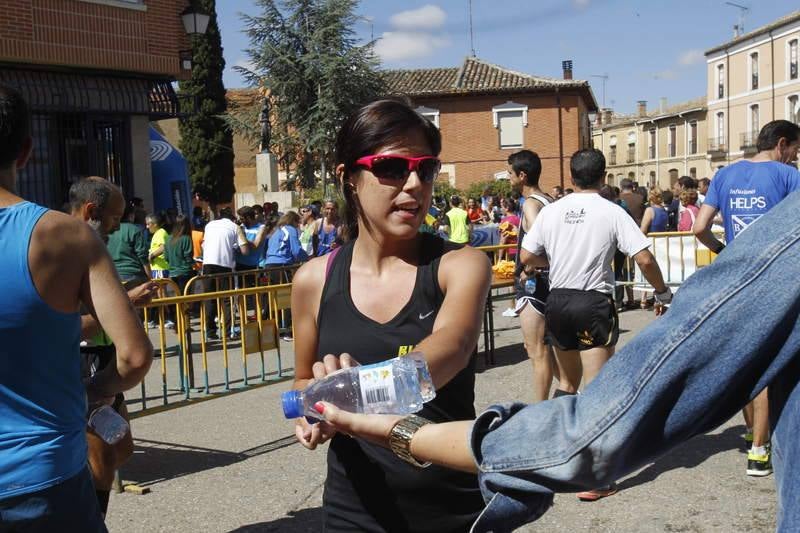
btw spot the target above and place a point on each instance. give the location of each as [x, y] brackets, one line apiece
[256, 233]
[743, 193]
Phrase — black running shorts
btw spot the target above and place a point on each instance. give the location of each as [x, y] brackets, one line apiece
[539, 298]
[580, 320]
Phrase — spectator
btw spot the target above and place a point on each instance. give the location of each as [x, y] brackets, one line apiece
[256, 235]
[52, 264]
[674, 208]
[690, 209]
[633, 202]
[197, 244]
[198, 219]
[222, 238]
[459, 228]
[308, 218]
[656, 217]
[702, 189]
[557, 192]
[474, 211]
[568, 191]
[328, 230]
[179, 251]
[129, 251]
[509, 227]
[284, 249]
[492, 214]
[159, 267]
[485, 196]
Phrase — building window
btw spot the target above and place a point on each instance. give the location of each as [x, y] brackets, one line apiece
[720, 81]
[651, 147]
[510, 119]
[720, 139]
[612, 150]
[754, 71]
[429, 113]
[610, 179]
[754, 122]
[693, 137]
[793, 109]
[793, 59]
[652, 180]
[673, 136]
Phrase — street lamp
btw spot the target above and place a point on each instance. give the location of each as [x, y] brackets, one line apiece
[194, 23]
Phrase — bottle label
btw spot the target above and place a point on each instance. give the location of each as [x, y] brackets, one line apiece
[377, 386]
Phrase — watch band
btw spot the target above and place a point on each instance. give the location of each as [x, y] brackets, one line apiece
[401, 435]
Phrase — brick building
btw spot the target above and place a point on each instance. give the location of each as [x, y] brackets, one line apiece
[95, 73]
[486, 112]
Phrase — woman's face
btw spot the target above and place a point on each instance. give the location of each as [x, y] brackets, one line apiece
[393, 207]
[471, 203]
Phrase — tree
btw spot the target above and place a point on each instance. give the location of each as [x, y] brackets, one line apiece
[304, 55]
[206, 140]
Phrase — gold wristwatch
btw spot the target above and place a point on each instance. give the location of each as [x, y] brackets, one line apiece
[401, 435]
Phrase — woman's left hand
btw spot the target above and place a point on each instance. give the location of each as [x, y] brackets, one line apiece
[373, 428]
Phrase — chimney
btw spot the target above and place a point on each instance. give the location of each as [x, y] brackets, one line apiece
[566, 66]
[662, 104]
[607, 115]
[641, 108]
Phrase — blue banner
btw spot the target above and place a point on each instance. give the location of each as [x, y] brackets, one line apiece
[171, 187]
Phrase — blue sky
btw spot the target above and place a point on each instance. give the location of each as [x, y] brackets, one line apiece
[648, 48]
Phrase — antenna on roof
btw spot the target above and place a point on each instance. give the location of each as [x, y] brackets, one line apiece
[603, 77]
[471, 35]
[743, 10]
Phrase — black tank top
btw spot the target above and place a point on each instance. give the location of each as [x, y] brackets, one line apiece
[368, 488]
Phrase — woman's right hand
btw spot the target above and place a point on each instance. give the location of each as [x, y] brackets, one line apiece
[312, 435]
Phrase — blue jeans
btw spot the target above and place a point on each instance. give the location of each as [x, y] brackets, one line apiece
[68, 506]
[733, 329]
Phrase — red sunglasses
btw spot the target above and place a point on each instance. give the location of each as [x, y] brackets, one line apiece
[399, 167]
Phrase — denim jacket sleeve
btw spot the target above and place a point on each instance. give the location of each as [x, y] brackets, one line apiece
[731, 330]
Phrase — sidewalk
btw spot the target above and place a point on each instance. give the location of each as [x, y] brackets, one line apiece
[232, 464]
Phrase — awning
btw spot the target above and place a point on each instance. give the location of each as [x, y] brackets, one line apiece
[62, 92]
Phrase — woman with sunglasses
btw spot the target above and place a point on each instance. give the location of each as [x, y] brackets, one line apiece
[389, 291]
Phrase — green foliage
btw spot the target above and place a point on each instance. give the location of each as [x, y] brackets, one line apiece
[206, 141]
[304, 55]
[442, 188]
[496, 188]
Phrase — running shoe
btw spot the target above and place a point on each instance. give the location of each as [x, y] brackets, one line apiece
[152, 325]
[598, 494]
[759, 465]
[510, 312]
[169, 324]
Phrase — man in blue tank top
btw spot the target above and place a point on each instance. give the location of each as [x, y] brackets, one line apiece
[743, 193]
[52, 264]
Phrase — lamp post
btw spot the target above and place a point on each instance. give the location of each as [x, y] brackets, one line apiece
[195, 23]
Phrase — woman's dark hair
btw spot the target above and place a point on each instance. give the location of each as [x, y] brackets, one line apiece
[289, 218]
[367, 130]
[182, 226]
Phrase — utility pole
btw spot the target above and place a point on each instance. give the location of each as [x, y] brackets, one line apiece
[743, 10]
[603, 77]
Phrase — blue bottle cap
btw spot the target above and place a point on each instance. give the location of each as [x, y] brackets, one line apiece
[292, 404]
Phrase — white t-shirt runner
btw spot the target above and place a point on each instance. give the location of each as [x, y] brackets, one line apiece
[580, 234]
[220, 243]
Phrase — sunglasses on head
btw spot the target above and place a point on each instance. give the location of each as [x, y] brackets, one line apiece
[399, 167]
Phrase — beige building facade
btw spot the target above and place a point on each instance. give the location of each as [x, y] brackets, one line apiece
[752, 79]
[654, 147]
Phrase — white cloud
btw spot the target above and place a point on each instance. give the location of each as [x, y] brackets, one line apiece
[581, 3]
[405, 45]
[429, 17]
[665, 75]
[691, 57]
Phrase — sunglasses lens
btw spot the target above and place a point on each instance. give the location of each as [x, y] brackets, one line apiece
[391, 168]
[429, 170]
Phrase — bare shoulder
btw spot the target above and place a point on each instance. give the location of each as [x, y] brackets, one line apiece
[310, 278]
[62, 237]
[464, 261]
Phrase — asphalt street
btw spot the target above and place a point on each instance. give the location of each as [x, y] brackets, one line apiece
[232, 465]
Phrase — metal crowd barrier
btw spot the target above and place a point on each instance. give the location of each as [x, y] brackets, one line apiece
[243, 330]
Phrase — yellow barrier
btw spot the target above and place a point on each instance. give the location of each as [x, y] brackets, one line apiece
[254, 331]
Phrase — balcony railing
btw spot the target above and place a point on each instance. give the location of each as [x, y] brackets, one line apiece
[717, 147]
[748, 141]
[631, 155]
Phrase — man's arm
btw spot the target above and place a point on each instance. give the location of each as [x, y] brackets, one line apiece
[702, 228]
[652, 272]
[101, 292]
[241, 238]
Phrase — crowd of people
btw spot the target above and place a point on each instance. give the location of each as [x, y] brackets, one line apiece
[377, 287]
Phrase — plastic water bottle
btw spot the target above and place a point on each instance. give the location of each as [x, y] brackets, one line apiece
[398, 386]
[108, 424]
